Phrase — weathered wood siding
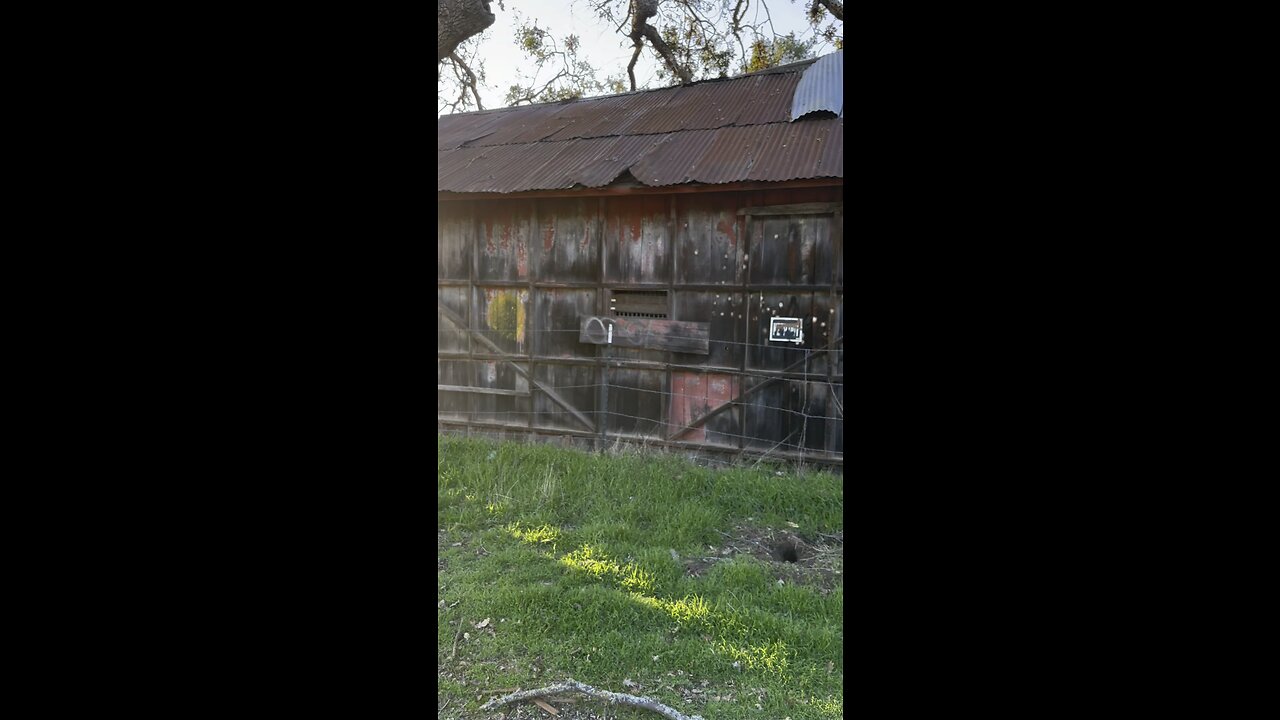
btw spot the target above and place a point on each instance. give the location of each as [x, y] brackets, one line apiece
[516, 277]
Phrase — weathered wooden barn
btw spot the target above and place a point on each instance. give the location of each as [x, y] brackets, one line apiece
[662, 267]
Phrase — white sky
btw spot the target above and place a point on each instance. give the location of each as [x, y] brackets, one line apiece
[607, 51]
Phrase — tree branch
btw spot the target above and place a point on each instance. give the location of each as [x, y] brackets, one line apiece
[531, 96]
[457, 20]
[667, 55]
[640, 28]
[631, 66]
[470, 81]
[612, 698]
[835, 7]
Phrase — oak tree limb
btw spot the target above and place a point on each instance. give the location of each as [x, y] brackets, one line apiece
[612, 698]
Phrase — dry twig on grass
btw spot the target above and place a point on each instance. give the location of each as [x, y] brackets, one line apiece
[455, 639]
[612, 698]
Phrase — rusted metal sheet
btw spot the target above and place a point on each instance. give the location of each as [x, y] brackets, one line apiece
[516, 122]
[774, 152]
[600, 117]
[694, 395]
[717, 105]
[792, 153]
[637, 118]
[671, 335]
[614, 157]
[712, 132]
[732, 153]
[831, 163]
[821, 87]
[478, 127]
[675, 160]
[770, 100]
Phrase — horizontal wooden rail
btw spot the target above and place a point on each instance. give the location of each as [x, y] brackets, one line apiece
[794, 209]
[481, 391]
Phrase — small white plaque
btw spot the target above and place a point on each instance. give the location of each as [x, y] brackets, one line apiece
[784, 329]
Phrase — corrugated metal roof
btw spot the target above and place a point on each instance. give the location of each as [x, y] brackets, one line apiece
[715, 131]
[672, 162]
[770, 100]
[821, 87]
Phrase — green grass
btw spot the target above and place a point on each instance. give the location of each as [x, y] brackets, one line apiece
[569, 556]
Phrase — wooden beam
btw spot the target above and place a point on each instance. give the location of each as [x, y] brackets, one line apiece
[816, 208]
[669, 335]
[482, 391]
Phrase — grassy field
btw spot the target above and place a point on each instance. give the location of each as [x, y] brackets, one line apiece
[643, 574]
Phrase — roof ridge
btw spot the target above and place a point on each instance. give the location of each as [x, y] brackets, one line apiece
[779, 69]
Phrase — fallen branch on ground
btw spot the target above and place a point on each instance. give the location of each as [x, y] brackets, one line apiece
[612, 698]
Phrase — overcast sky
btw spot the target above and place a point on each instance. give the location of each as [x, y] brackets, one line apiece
[608, 51]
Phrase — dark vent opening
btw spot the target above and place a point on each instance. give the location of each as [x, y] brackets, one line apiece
[817, 115]
[639, 304]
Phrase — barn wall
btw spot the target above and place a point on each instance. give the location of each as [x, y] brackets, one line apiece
[516, 277]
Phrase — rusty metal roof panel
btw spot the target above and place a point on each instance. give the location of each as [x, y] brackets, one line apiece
[798, 150]
[719, 103]
[591, 162]
[831, 164]
[519, 121]
[674, 160]
[451, 163]
[621, 155]
[476, 169]
[706, 105]
[731, 154]
[769, 99]
[567, 167]
[713, 132]
[532, 169]
[548, 124]
[821, 87]
[640, 117]
[609, 113]
[578, 116]
[453, 131]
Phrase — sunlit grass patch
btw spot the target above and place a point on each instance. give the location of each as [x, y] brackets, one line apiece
[600, 566]
[828, 706]
[539, 535]
[608, 569]
[771, 657]
[689, 610]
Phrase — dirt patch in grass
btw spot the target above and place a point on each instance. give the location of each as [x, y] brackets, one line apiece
[812, 558]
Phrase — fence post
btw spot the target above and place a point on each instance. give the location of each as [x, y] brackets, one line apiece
[603, 422]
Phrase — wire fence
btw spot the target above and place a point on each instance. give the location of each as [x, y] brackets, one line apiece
[784, 403]
[704, 455]
[809, 427]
